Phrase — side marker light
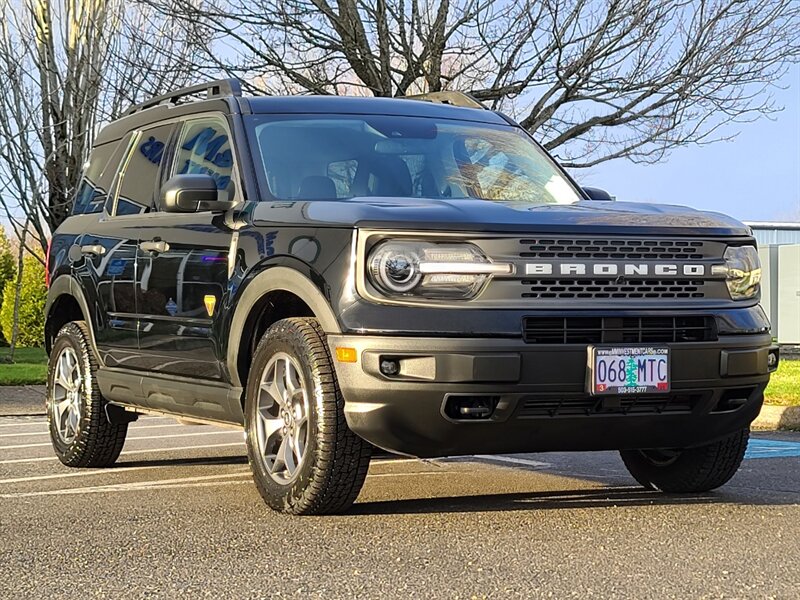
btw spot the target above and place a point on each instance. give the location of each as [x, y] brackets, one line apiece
[346, 355]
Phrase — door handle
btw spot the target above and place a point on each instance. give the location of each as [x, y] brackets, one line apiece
[95, 249]
[157, 246]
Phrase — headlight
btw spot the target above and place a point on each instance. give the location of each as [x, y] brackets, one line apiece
[431, 270]
[742, 271]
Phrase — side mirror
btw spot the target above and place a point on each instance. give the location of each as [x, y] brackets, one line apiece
[598, 194]
[193, 193]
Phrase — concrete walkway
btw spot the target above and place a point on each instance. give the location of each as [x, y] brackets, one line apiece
[21, 400]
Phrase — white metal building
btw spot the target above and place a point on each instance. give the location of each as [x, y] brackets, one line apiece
[779, 248]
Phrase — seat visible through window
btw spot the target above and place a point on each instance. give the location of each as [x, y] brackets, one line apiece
[317, 187]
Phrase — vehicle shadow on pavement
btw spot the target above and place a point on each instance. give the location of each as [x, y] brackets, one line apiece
[555, 499]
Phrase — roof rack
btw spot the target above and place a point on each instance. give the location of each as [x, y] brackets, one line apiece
[452, 98]
[212, 89]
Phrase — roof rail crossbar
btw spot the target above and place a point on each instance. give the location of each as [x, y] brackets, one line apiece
[452, 98]
[212, 89]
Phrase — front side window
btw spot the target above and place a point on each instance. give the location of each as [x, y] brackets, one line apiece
[204, 147]
[345, 156]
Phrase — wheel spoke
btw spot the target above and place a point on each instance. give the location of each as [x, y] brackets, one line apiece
[63, 375]
[59, 408]
[279, 463]
[298, 447]
[291, 382]
[268, 427]
[72, 420]
[271, 389]
[289, 455]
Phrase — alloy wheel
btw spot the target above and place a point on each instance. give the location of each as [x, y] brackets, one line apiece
[282, 418]
[65, 395]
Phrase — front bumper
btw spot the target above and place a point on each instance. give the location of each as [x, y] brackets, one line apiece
[540, 395]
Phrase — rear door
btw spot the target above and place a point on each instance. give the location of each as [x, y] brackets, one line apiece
[106, 265]
[112, 244]
[183, 265]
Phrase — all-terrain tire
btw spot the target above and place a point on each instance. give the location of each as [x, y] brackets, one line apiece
[335, 461]
[94, 442]
[699, 469]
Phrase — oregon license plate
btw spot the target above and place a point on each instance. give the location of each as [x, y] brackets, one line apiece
[628, 370]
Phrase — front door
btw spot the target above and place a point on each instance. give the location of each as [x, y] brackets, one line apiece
[183, 265]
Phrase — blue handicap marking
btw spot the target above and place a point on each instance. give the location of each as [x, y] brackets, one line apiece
[772, 449]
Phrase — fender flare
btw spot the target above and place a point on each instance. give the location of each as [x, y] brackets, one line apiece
[272, 280]
[66, 285]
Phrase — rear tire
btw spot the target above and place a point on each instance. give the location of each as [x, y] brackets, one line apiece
[304, 458]
[699, 469]
[79, 428]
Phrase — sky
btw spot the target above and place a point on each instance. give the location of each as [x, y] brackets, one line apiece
[755, 177]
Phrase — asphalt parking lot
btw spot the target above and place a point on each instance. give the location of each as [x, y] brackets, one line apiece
[179, 517]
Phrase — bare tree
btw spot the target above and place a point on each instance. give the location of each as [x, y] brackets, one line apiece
[594, 80]
[66, 66]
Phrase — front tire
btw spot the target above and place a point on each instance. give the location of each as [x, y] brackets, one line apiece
[79, 428]
[304, 458]
[699, 469]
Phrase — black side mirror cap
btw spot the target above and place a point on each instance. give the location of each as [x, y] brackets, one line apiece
[193, 193]
[598, 194]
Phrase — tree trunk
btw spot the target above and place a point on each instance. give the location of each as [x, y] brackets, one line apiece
[17, 294]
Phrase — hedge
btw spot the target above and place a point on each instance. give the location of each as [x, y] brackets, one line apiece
[31, 305]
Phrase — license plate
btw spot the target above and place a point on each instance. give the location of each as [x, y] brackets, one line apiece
[628, 370]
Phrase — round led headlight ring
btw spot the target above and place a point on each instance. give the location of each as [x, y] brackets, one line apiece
[395, 269]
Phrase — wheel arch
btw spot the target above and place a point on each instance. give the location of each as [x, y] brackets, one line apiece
[66, 302]
[273, 294]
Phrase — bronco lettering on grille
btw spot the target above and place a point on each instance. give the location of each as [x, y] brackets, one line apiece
[616, 269]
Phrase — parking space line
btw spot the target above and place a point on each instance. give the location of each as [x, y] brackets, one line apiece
[131, 439]
[115, 487]
[81, 473]
[23, 424]
[410, 473]
[132, 427]
[14, 461]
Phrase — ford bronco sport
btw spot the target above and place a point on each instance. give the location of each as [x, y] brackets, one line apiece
[337, 274]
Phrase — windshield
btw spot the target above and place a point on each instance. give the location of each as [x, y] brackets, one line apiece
[343, 156]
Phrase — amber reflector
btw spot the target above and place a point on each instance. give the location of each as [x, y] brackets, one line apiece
[346, 355]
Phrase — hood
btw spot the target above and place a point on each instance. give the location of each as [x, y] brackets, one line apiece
[491, 216]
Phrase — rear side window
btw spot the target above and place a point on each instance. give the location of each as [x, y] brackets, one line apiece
[97, 175]
[139, 175]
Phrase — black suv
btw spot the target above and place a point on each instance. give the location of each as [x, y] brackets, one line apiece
[334, 274]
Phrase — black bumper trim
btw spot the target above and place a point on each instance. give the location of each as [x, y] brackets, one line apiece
[405, 414]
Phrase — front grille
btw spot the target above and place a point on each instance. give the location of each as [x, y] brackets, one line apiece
[605, 330]
[669, 250]
[587, 406]
[608, 288]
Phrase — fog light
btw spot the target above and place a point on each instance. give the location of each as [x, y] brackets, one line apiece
[390, 368]
[772, 359]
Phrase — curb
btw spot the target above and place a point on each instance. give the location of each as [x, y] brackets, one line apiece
[778, 417]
